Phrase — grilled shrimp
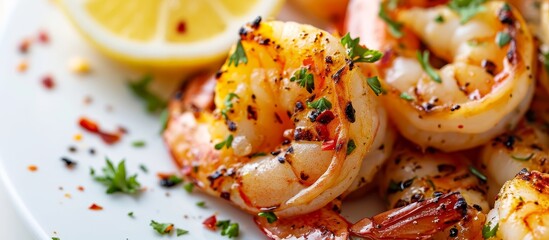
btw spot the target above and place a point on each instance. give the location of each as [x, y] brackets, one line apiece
[411, 176]
[522, 209]
[527, 146]
[485, 86]
[288, 127]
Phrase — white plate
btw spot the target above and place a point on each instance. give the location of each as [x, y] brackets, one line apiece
[37, 127]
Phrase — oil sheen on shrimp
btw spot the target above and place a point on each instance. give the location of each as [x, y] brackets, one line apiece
[527, 146]
[411, 176]
[288, 128]
[482, 85]
[522, 208]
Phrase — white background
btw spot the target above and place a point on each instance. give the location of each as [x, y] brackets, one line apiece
[11, 224]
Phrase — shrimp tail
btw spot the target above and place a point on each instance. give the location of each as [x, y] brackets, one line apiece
[420, 220]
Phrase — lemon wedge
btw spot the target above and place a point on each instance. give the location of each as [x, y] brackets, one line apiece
[165, 33]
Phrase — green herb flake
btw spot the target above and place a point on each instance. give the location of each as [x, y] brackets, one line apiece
[228, 104]
[351, 146]
[143, 168]
[424, 61]
[487, 232]
[546, 61]
[270, 216]
[180, 232]
[201, 204]
[225, 143]
[406, 96]
[477, 173]
[394, 26]
[358, 53]
[466, 9]
[115, 179]
[130, 214]
[375, 85]
[304, 79]
[140, 88]
[439, 19]
[55, 238]
[164, 117]
[502, 39]
[238, 56]
[138, 144]
[188, 187]
[392, 4]
[321, 104]
[259, 154]
[175, 179]
[524, 159]
[161, 228]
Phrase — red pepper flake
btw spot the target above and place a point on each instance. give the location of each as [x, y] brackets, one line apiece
[25, 45]
[210, 223]
[80, 188]
[32, 168]
[92, 127]
[47, 82]
[181, 27]
[308, 62]
[460, 126]
[328, 145]
[95, 207]
[43, 37]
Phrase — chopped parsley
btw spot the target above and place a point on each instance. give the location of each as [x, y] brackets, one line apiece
[130, 214]
[439, 19]
[394, 26]
[238, 56]
[259, 154]
[477, 173]
[487, 232]
[231, 230]
[140, 88]
[320, 104]
[526, 158]
[502, 39]
[138, 144]
[304, 79]
[375, 85]
[143, 168]
[424, 61]
[228, 104]
[55, 238]
[351, 146]
[115, 179]
[201, 204]
[270, 216]
[226, 143]
[188, 187]
[466, 9]
[164, 117]
[161, 228]
[406, 96]
[180, 232]
[358, 53]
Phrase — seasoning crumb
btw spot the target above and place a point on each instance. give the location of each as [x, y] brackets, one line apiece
[95, 207]
[92, 151]
[80, 188]
[72, 149]
[77, 137]
[32, 168]
[88, 100]
[24, 45]
[48, 82]
[22, 66]
[79, 65]
[70, 164]
[68, 195]
[43, 37]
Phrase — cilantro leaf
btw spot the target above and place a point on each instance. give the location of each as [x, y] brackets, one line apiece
[304, 79]
[55, 238]
[502, 39]
[351, 146]
[358, 53]
[466, 9]
[320, 104]
[180, 232]
[140, 88]
[270, 216]
[406, 96]
[130, 214]
[201, 204]
[138, 144]
[228, 104]
[487, 232]
[375, 85]
[394, 26]
[164, 117]
[188, 187]
[115, 179]
[439, 19]
[161, 228]
[226, 143]
[424, 61]
[238, 56]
